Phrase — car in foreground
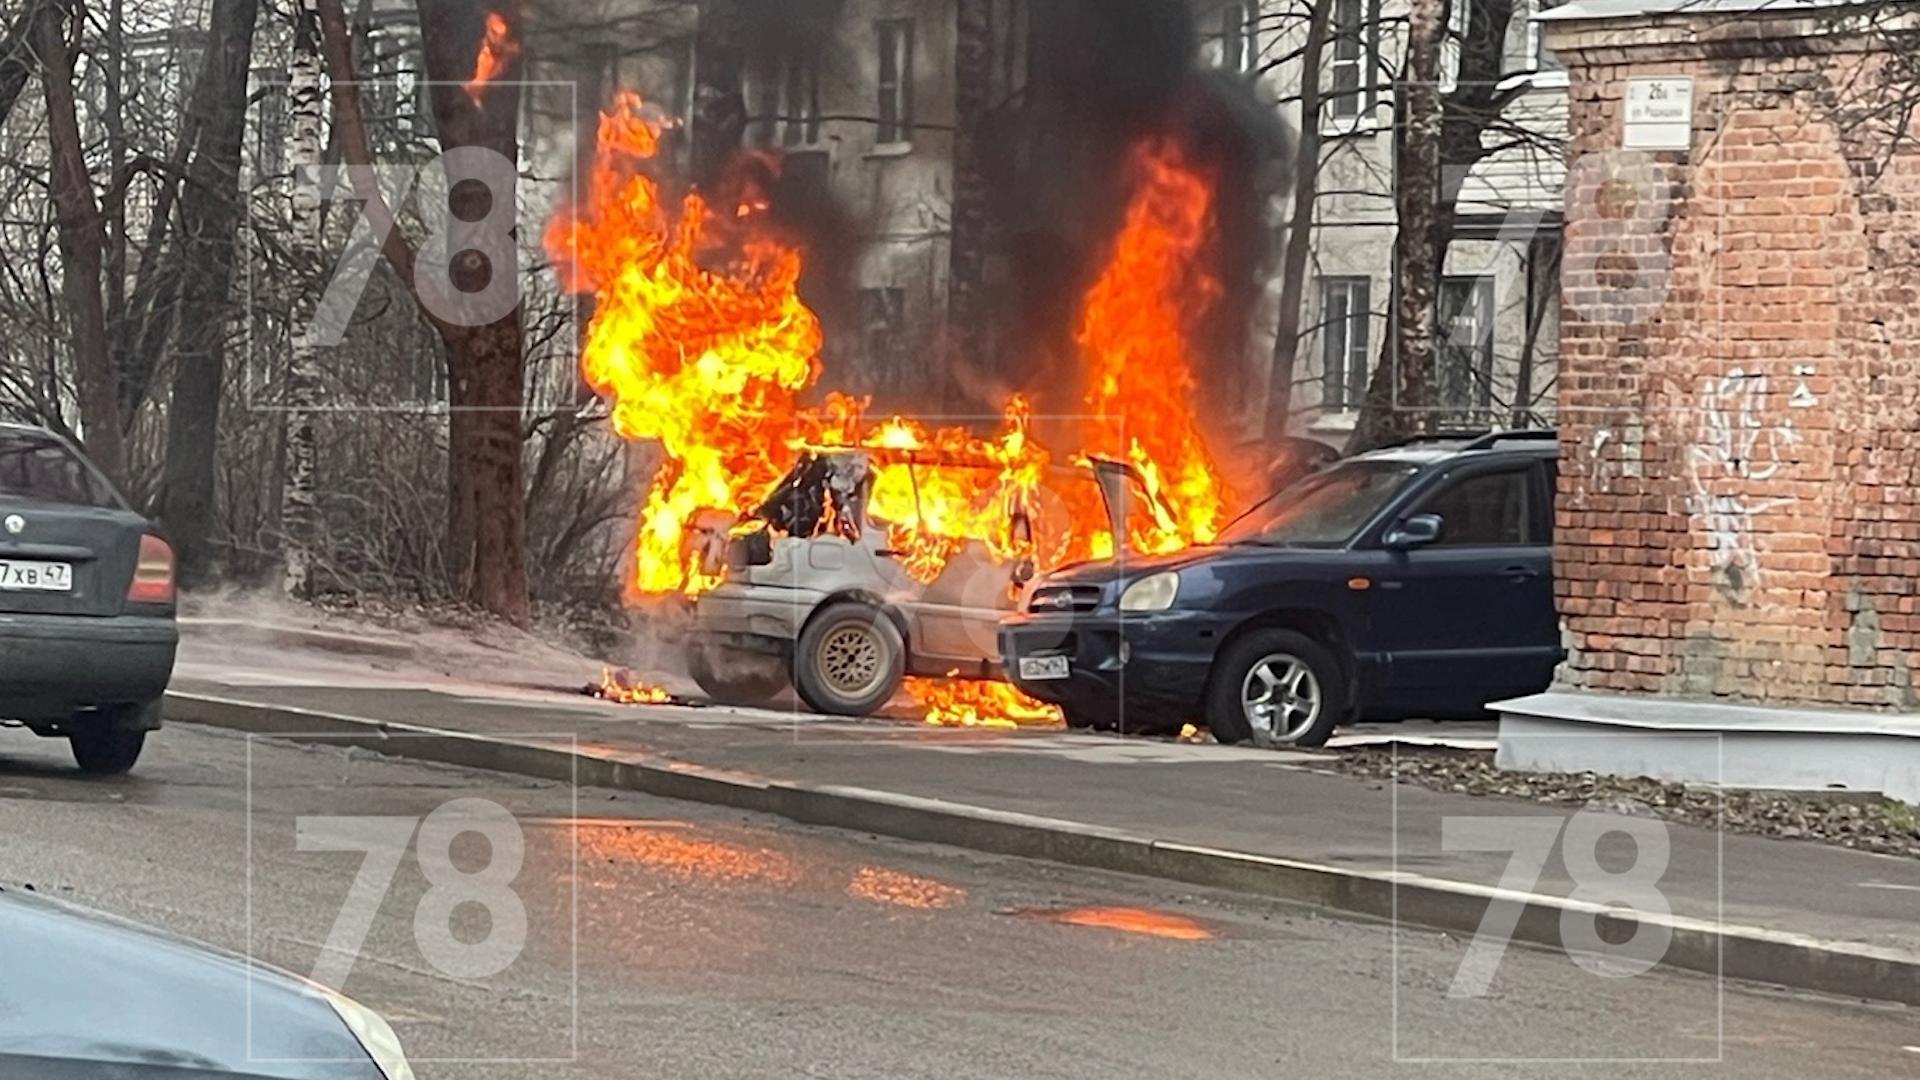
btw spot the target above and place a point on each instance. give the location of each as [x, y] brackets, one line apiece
[87, 629]
[1412, 581]
[84, 996]
[816, 596]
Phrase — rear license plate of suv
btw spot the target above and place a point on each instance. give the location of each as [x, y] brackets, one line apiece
[17, 575]
[1043, 668]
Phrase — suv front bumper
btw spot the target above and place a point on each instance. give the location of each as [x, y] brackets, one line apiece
[1147, 669]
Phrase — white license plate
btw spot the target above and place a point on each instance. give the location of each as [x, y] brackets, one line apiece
[1043, 668]
[17, 575]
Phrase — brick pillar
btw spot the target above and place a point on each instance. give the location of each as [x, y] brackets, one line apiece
[1739, 393]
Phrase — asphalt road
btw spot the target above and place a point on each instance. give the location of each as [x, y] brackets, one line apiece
[678, 941]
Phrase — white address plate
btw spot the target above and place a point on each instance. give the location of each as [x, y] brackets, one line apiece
[18, 575]
[1043, 668]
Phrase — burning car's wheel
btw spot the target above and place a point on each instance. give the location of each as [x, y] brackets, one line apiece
[1276, 688]
[849, 660]
[733, 676]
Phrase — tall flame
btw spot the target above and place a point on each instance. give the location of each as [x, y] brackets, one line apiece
[699, 341]
[1134, 331]
[498, 51]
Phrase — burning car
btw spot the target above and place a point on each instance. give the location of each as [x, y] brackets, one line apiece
[818, 589]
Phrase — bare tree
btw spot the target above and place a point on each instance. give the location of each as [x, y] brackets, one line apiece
[485, 366]
[299, 512]
[16, 56]
[1300, 225]
[209, 212]
[1401, 391]
[81, 239]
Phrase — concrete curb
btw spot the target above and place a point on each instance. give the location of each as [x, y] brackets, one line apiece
[1740, 952]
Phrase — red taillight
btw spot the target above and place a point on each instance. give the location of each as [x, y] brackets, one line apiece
[153, 574]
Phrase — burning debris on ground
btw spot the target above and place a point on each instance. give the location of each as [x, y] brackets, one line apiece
[622, 686]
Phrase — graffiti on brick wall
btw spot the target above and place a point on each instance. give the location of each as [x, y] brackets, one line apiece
[1738, 440]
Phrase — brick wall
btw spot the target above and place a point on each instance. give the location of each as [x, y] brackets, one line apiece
[1739, 392]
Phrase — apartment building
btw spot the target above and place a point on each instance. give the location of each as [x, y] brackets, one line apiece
[1499, 294]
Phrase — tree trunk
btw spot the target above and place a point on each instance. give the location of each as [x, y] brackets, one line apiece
[486, 372]
[299, 499]
[719, 119]
[209, 214]
[1300, 227]
[116, 122]
[78, 216]
[967, 333]
[1400, 395]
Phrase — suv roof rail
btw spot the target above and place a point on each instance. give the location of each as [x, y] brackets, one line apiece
[1435, 436]
[1494, 438]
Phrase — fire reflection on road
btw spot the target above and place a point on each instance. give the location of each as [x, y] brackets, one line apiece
[1130, 920]
[670, 848]
[902, 890]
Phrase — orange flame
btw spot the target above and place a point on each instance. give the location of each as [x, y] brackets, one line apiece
[1134, 332]
[700, 341]
[623, 687]
[498, 51]
[951, 703]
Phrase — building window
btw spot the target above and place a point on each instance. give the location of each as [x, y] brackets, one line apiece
[800, 96]
[1466, 344]
[1542, 57]
[1231, 48]
[896, 81]
[270, 133]
[883, 324]
[1345, 322]
[1355, 35]
[1011, 23]
[1451, 46]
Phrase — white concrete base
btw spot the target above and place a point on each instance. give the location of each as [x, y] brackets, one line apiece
[1735, 745]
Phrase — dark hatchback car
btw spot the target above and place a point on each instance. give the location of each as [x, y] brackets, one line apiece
[87, 631]
[84, 996]
[1414, 581]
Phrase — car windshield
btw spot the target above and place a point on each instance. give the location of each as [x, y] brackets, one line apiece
[35, 465]
[1323, 509]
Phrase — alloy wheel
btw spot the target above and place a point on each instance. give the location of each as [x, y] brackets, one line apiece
[1281, 697]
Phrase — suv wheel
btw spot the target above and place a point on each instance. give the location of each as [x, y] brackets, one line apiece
[733, 676]
[849, 660]
[1276, 688]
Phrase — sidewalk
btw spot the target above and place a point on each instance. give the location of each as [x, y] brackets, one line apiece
[1202, 803]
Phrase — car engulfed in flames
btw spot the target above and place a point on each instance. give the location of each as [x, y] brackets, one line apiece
[885, 542]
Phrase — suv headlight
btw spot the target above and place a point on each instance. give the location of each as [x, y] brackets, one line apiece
[1156, 592]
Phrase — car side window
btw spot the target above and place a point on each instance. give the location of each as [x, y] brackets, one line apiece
[1488, 509]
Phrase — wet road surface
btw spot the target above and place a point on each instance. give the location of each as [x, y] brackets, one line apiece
[679, 941]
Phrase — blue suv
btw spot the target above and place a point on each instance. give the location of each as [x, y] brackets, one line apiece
[1411, 581]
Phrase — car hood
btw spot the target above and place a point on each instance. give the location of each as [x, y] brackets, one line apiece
[1128, 567]
[80, 986]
